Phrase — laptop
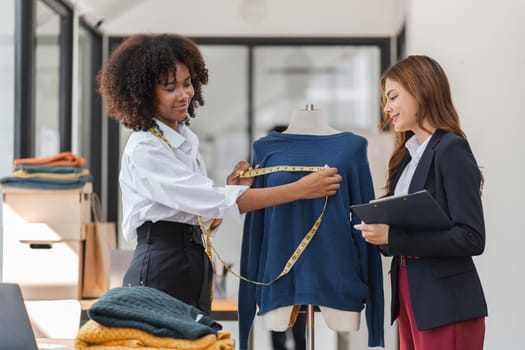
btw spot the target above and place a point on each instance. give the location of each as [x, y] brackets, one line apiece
[15, 327]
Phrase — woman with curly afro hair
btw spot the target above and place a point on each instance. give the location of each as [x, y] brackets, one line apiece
[152, 84]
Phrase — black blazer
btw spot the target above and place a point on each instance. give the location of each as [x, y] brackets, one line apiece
[444, 284]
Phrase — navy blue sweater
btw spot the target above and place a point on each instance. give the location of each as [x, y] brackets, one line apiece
[338, 269]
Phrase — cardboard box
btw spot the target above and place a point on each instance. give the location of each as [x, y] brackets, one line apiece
[43, 240]
[44, 270]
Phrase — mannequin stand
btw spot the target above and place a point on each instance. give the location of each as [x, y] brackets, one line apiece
[310, 323]
[310, 312]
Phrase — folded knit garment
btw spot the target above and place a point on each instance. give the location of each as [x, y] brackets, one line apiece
[54, 169]
[63, 158]
[152, 311]
[94, 336]
[44, 175]
[44, 183]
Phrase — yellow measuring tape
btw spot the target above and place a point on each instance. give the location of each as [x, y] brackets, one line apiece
[273, 169]
[302, 245]
[304, 242]
[204, 229]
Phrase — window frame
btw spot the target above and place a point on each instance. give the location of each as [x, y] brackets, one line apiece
[25, 75]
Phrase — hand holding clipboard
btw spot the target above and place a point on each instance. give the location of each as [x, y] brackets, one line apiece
[418, 210]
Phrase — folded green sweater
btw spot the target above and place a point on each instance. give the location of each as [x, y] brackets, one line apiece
[152, 311]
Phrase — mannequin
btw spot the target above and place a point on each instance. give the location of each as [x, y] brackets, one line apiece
[310, 121]
[338, 271]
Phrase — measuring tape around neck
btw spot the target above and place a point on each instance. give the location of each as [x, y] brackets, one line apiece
[204, 229]
[302, 245]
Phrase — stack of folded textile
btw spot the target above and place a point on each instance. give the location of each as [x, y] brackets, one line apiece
[62, 171]
[144, 317]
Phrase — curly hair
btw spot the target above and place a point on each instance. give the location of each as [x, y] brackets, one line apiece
[128, 79]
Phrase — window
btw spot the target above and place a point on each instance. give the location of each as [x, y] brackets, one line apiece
[47, 81]
[7, 85]
[7, 98]
[340, 80]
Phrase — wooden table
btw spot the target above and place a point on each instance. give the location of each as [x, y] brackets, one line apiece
[224, 310]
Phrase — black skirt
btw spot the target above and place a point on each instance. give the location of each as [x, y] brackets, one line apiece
[170, 256]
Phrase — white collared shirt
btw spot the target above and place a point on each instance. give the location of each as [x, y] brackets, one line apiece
[159, 182]
[416, 151]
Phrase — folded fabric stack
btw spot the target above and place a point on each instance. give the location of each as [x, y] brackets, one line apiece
[146, 318]
[62, 171]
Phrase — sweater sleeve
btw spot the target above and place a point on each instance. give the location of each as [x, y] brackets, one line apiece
[251, 245]
[249, 264]
[363, 192]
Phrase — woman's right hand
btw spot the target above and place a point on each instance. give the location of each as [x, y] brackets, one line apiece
[319, 184]
[235, 176]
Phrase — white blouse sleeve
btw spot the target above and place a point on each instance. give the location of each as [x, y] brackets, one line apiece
[151, 170]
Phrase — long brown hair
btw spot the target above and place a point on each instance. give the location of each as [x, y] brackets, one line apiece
[424, 79]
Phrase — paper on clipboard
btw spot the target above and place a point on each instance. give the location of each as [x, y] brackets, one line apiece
[416, 211]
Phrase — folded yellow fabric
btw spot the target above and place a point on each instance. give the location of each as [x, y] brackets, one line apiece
[94, 336]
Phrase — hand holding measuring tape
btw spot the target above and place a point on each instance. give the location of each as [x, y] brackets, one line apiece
[323, 181]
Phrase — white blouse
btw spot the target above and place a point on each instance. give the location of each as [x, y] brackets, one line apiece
[159, 182]
[416, 151]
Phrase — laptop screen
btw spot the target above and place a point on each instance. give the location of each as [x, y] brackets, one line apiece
[15, 327]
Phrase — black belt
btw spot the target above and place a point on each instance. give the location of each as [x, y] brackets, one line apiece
[168, 231]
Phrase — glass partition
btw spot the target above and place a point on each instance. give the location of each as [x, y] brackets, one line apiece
[47, 80]
[7, 98]
[7, 85]
[340, 80]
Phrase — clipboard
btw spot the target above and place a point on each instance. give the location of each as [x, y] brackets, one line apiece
[415, 211]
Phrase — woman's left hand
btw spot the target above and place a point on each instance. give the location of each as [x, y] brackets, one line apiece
[374, 233]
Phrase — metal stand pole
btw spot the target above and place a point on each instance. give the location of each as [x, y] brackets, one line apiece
[310, 320]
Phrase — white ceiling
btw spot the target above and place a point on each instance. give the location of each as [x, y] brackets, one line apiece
[246, 17]
[104, 10]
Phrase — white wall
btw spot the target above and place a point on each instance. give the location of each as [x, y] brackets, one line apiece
[480, 44]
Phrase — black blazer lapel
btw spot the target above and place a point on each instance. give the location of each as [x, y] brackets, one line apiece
[423, 167]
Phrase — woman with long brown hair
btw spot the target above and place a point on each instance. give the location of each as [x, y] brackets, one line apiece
[437, 297]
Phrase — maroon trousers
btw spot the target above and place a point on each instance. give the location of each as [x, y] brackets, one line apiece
[466, 335]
